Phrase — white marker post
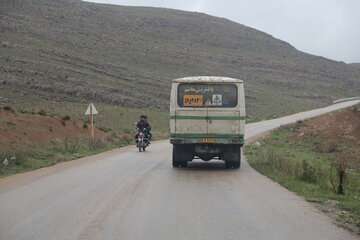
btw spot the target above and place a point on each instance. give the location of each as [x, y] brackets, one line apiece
[91, 111]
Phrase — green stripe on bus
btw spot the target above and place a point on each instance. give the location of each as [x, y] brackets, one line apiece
[205, 135]
[183, 117]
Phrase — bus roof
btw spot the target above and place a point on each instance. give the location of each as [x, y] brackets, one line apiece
[207, 79]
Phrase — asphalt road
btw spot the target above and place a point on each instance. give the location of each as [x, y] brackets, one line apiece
[124, 194]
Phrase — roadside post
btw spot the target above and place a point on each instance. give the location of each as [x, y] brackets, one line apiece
[91, 111]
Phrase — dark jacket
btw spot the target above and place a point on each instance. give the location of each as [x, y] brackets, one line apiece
[142, 124]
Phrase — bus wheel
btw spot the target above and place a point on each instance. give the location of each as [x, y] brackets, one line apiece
[232, 157]
[179, 157]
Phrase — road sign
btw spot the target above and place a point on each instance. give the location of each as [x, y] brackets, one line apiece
[91, 110]
[6, 162]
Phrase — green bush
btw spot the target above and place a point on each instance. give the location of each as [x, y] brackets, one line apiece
[96, 144]
[66, 118]
[42, 112]
[71, 145]
[105, 129]
[15, 162]
[309, 172]
[9, 109]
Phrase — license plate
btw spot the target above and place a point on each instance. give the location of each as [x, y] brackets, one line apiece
[208, 140]
[193, 100]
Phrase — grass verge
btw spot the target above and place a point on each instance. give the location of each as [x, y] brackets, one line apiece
[18, 161]
[300, 166]
[117, 122]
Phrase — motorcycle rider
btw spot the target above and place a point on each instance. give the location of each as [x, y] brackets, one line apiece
[144, 126]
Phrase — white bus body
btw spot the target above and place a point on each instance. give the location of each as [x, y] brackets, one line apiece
[207, 119]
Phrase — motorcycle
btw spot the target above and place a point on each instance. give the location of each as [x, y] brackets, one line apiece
[142, 142]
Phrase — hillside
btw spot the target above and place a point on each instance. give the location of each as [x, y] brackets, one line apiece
[73, 51]
[356, 65]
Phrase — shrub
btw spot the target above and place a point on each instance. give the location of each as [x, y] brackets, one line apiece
[42, 112]
[23, 111]
[105, 129]
[96, 144]
[66, 118]
[309, 173]
[327, 147]
[11, 124]
[9, 109]
[14, 159]
[71, 145]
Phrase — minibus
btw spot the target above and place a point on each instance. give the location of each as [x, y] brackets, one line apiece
[207, 120]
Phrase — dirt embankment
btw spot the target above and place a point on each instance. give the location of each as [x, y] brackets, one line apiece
[25, 130]
[338, 125]
[339, 131]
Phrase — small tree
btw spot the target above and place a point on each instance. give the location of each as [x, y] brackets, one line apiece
[341, 173]
[345, 159]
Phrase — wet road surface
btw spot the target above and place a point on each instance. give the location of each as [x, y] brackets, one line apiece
[124, 194]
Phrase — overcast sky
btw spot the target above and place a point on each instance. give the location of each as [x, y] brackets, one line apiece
[330, 28]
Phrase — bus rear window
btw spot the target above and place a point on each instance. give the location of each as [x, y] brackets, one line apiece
[207, 95]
